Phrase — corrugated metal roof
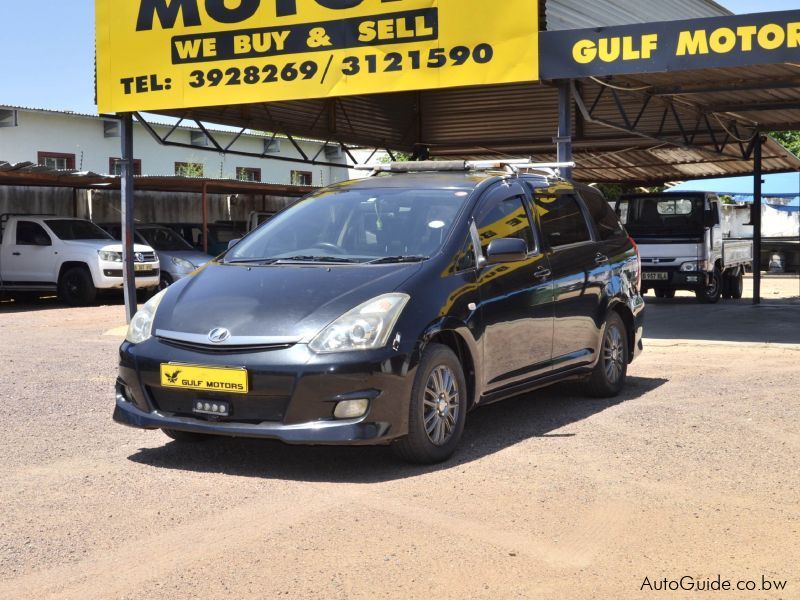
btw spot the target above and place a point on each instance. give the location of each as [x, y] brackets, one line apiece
[30, 174]
[580, 14]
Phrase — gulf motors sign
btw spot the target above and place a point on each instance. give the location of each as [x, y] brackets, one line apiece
[719, 42]
[171, 54]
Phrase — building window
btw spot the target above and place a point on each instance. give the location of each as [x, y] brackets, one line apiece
[198, 138]
[57, 160]
[115, 166]
[8, 118]
[248, 174]
[301, 178]
[272, 146]
[187, 169]
[111, 129]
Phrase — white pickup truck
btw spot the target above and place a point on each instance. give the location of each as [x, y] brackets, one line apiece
[682, 247]
[74, 257]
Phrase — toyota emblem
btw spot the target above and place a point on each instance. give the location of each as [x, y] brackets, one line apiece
[220, 335]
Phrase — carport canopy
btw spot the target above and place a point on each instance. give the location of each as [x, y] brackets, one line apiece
[639, 104]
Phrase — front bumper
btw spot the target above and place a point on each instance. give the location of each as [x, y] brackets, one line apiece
[293, 393]
[676, 279]
[108, 275]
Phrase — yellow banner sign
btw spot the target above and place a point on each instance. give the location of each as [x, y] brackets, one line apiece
[164, 54]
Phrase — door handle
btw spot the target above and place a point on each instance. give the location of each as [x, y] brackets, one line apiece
[601, 259]
[16, 254]
[542, 273]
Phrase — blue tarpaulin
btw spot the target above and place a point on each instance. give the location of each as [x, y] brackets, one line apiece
[783, 186]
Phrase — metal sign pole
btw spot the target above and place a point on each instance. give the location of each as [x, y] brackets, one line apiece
[564, 139]
[126, 188]
[757, 172]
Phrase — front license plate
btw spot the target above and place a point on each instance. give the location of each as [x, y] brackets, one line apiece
[141, 267]
[655, 276]
[206, 379]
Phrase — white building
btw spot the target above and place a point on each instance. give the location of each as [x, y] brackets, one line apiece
[67, 140]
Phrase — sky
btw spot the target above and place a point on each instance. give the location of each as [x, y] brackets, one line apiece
[47, 51]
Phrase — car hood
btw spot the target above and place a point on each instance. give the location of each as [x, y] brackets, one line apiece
[104, 245]
[198, 259]
[273, 301]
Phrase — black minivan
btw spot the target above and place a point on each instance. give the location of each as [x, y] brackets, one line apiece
[383, 310]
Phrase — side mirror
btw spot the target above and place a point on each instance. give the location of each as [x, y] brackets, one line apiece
[232, 243]
[507, 250]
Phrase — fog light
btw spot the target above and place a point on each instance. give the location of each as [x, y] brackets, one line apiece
[692, 278]
[351, 409]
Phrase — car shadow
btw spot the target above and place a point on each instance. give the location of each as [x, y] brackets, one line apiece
[489, 430]
[34, 303]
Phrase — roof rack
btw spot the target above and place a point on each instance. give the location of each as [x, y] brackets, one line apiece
[511, 166]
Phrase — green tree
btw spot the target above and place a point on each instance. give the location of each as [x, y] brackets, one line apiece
[789, 139]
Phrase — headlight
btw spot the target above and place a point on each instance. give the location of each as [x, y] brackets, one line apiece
[182, 263]
[689, 267]
[110, 256]
[366, 327]
[141, 326]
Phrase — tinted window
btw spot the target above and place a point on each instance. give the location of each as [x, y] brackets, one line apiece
[163, 239]
[562, 220]
[604, 217]
[466, 257]
[507, 219]
[31, 234]
[75, 229]
[663, 214]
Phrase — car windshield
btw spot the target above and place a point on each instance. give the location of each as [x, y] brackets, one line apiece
[75, 229]
[355, 225]
[668, 214]
[163, 239]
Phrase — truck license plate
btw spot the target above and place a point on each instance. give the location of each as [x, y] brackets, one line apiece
[655, 276]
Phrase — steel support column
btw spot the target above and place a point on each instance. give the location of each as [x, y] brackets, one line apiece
[757, 172]
[564, 139]
[126, 188]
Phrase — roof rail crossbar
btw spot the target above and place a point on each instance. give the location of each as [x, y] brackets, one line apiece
[512, 166]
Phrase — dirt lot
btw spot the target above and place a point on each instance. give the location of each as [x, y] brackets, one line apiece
[693, 471]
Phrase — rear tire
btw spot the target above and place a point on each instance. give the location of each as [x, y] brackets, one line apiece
[737, 286]
[710, 293]
[76, 288]
[187, 437]
[609, 375]
[437, 410]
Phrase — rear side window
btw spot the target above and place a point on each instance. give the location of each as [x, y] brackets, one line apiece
[562, 220]
[604, 217]
[506, 219]
[31, 234]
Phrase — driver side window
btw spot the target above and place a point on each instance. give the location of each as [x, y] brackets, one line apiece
[31, 234]
[506, 219]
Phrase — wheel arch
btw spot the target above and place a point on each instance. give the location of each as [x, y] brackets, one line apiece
[450, 335]
[69, 264]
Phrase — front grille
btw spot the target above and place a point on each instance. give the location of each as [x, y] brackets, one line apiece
[243, 408]
[118, 273]
[147, 257]
[226, 349]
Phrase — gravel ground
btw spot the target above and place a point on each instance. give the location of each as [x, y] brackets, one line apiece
[692, 471]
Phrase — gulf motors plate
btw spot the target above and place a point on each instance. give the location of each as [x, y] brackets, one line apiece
[660, 276]
[230, 380]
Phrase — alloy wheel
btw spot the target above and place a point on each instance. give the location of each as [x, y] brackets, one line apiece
[441, 405]
[613, 354]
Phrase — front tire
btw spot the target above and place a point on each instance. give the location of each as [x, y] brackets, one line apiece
[711, 293]
[438, 408]
[165, 281]
[76, 288]
[609, 375]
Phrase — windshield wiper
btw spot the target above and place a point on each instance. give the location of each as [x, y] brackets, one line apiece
[397, 259]
[251, 261]
[319, 259]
